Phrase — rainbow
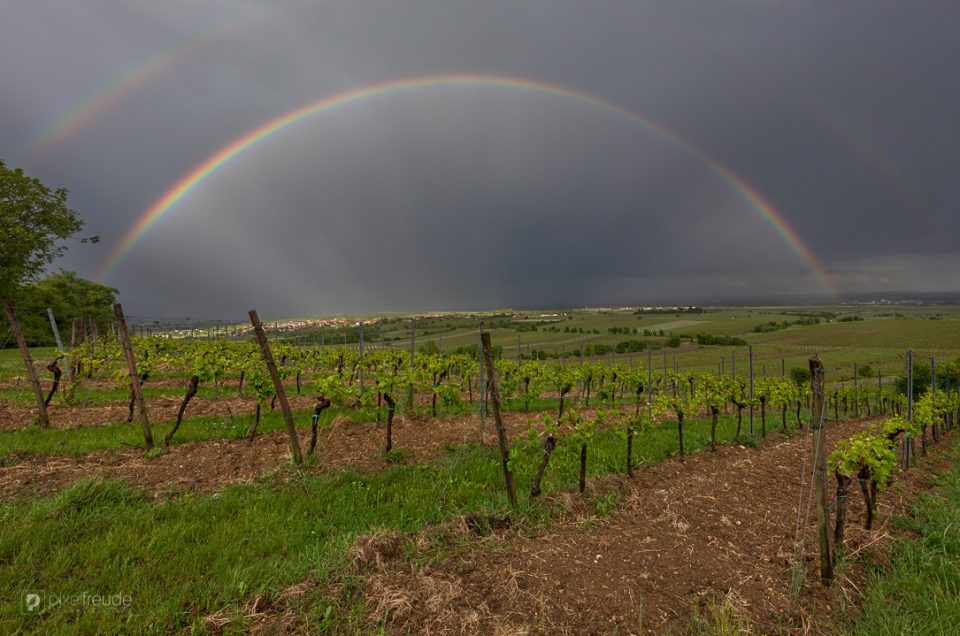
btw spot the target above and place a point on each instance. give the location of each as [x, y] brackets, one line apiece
[96, 104]
[868, 153]
[202, 171]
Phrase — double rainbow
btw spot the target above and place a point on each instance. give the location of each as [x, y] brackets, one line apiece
[212, 164]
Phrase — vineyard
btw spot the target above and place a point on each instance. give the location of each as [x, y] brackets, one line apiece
[307, 476]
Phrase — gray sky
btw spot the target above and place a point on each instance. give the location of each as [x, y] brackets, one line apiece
[841, 115]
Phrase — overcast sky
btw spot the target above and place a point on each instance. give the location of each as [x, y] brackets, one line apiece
[843, 116]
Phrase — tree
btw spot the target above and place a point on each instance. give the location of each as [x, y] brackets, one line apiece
[71, 297]
[36, 222]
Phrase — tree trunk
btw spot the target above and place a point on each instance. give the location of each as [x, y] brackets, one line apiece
[191, 391]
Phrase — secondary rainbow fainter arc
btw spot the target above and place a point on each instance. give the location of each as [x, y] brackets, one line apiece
[98, 103]
[202, 171]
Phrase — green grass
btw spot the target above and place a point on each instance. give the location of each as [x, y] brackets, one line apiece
[179, 560]
[919, 592]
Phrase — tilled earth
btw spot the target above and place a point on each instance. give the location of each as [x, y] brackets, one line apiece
[206, 466]
[161, 409]
[717, 531]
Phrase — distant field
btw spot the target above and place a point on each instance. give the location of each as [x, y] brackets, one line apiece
[880, 339]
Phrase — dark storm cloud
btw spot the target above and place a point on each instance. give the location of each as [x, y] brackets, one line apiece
[841, 115]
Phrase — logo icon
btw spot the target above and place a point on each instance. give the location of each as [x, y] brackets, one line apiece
[33, 602]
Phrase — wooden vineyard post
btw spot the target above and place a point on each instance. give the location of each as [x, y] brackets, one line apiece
[134, 377]
[650, 380]
[360, 363]
[820, 470]
[413, 366]
[856, 390]
[53, 327]
[28, 363]
[60, 352]
[495, 403]
[908, 441]
[278, 387]
[482, 384]
[750, 367]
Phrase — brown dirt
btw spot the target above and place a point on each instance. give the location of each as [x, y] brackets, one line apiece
[715, 532]
[210, 465]
[160, 409]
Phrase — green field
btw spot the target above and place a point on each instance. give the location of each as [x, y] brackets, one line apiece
[880, 339]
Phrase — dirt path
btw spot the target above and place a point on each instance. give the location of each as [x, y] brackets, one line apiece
[719, 528]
